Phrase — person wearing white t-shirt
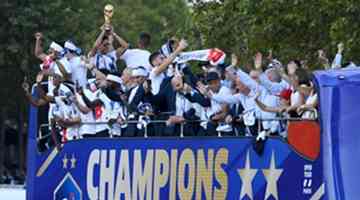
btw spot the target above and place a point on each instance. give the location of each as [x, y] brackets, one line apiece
[112, 98]
[300, 77]
[53, 66]
[58, 88]
[87, 116]
[54, 51]
[78, 69]
[59, 69]
[53, 59]
[67, 116]
[138, 56]
[214, 116]
[247, 89]
[308, 109]
[91, 96]
[160, 65]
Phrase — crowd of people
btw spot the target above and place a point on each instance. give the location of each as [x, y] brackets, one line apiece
[87, 95]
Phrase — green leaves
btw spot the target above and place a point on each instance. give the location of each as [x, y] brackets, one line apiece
[294, 29]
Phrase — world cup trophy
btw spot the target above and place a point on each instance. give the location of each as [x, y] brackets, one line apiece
[108, 13]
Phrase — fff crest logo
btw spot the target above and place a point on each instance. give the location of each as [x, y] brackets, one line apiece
[68, 189]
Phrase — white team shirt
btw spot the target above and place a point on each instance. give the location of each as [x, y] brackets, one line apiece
[99, 112]
[55, 69]
[137, 57]
[156, 81]
[311, 100]
[105, 61]
[71, 112]
[273, 87]
[251, 110]
[113, 110]
[67, 112]
[216, 105]
[63, 91]
[78, 71]
[86, 119]
[295, 98]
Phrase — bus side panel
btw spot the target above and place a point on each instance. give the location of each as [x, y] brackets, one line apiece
[187, 168]
[32, 154]
[340, 120]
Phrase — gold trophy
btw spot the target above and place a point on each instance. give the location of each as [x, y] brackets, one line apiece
[108, 13]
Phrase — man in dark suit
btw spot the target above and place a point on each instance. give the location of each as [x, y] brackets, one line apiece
[235, 119]
[164, 101]
[178, 98]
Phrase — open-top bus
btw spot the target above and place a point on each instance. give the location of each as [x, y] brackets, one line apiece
[318, 160]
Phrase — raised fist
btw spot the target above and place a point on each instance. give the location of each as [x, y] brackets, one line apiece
[38, 35]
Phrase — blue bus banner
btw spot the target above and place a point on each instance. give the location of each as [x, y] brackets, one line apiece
[175, 168]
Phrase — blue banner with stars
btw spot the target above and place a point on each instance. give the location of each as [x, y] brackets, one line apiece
[173, 168]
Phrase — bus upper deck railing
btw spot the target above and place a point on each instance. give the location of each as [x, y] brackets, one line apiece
[41, 136]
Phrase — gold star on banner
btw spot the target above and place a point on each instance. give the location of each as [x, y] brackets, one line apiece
[65, 161]
[247, 175]
[73, 161]
[272, 176]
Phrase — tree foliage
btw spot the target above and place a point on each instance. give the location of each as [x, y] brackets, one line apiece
[293, 29]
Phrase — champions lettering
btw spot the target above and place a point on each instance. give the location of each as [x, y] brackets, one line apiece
[112, 174]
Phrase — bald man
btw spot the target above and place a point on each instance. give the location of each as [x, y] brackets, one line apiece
[181, 109]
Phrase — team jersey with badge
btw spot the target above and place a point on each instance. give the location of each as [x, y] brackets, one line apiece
[67, 112]
[112, 111]
[71, 112]
[105, 61]
[99, 111]
[63, 91]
